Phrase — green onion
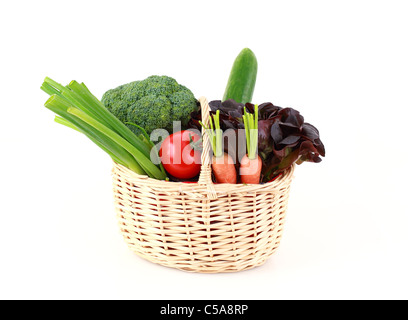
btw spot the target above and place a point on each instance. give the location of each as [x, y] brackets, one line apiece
[117, 153]
[155, 152]
[78, 109]
[60, 107]
[80, 97]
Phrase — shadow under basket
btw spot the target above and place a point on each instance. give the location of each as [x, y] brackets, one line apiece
[201, 227]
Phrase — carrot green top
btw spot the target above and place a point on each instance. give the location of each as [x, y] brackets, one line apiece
[215, 134]
[251, 132]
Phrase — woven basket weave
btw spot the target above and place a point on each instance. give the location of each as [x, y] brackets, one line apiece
[201, 227]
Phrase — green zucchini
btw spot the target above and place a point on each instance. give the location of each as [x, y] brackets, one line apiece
[241, 81]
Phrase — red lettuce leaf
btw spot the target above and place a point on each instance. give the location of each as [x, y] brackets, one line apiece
[283, 136]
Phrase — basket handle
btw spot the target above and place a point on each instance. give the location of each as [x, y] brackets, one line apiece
[205, 173]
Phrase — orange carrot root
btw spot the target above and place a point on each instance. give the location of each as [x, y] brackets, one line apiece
[250, 170]
[224, 169]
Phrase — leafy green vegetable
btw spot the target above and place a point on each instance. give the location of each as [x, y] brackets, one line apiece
[152, 103]
[284, 137]
[78, 109]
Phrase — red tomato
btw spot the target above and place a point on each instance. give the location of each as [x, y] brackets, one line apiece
[178, 156]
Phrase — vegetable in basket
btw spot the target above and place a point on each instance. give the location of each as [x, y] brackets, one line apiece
[152, 103]
[180, 154]
[222, 163]
[242, 78]
[77, 108]
[251, 163]
[284, 138]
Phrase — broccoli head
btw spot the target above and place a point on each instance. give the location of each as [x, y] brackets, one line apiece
[152, 103]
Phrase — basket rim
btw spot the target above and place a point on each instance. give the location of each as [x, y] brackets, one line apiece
[220, 188]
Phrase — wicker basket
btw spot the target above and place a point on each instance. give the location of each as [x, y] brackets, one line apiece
[201, 227]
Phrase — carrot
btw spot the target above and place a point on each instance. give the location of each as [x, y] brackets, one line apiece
[222, 163]
[224, 169]
[251, 163]
[250, 170]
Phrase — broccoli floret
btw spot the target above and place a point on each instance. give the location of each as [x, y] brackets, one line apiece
[151, 103]
[119, 109]
[158, 109]
[112, 100]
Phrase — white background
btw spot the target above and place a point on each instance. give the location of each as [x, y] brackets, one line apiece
[342, 64]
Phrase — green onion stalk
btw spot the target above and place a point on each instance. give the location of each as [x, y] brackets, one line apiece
[77, 108]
